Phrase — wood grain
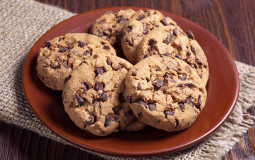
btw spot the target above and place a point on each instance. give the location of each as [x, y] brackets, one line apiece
[231, 21]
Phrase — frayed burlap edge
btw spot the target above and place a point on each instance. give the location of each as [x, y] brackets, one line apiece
[22, 22]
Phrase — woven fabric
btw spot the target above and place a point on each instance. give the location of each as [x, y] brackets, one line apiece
[22, 22]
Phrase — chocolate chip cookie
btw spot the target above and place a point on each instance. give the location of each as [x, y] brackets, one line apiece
[165, 93]
[93, 95]
[109, 25]
[140, 24]
[174, 42]
[60, 56]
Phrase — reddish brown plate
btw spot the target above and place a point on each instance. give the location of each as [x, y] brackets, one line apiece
[223, 87]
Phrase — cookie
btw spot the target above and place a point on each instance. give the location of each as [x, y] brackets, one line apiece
[93, 96]
[61, 55]
[109, 25]
[173, 41]
[140, 24]
[165, 93]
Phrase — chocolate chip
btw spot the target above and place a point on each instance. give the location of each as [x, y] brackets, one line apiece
[81, 44]
[85, 88]
[47, 44]
[99, 86]
[152, 42]
[166, 54]
[190, 34]
[103, 97]
[164, 21]
[99, 70]
[91, 120]
[106, 47]
[140, 17]
[129, 29]
[69, 46]
[122, 98]
[158, 84]
[199, 102]
[182, 77]
[62, 49]
[130, 42]
[120, 35]
[140, 115]
[178, 56]
[61, 39]
[168, 39]
[65, 64]
[133, 74]
[88, 52]
[140, 101]
[188, 53]
[109, 62]
[117, 68]
[179, 85]
[128, 113]
[152, 48]
[67, 78]
[79, 100]
[168, 113]
[188, 100]
[147, 55]
[152, 106]
[191, 85]
[147, 79]
[100, 34]
[121, 19]
[175, 32]
[193, 49]
[139, 86]
[146, 29]
[108, 119]
[181, 105]
[117, 109]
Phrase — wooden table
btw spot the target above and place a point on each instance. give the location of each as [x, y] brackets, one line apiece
[231, 21]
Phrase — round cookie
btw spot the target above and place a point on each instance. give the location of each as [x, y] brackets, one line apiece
[173, 41]
[137, 27]
[93, 97]
[109, 25]
[165, 93]
[61, 55]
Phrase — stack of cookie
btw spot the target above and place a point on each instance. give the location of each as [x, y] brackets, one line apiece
[161, 84]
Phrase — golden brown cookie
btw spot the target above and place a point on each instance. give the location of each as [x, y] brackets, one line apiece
[174, 42]
[61, 55]
[93, 98]
[140, 24]
[165, 93]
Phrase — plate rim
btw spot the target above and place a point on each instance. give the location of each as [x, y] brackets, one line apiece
[186, 145]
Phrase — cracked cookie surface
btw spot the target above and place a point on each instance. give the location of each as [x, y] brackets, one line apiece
[109, 25]
[93, 96]
[61, 55]
[165, 93]
[173, 41]
[140, 24]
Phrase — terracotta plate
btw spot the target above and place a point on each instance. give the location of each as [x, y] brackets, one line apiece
[223, 87]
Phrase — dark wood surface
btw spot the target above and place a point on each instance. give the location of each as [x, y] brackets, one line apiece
[231, 21]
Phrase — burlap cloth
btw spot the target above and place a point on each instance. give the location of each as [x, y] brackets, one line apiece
[22, 22]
